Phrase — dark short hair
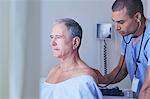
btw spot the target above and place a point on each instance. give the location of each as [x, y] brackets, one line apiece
[73, 27]
[132, 6]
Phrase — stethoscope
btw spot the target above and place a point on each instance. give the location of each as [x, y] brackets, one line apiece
[137, 60]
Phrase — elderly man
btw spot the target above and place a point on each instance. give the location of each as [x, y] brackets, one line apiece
[71, 78]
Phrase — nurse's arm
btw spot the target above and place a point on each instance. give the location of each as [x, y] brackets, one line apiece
[145, 91]
[111, 77]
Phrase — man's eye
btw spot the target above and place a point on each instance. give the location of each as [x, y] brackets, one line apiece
[51, 36]
[121, 22]
[59, 36]
[56, 36]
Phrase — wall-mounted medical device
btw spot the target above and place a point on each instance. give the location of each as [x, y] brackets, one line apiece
[104, 31]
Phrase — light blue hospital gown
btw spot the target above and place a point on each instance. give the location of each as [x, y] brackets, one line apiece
[80, 87]
[132, 51]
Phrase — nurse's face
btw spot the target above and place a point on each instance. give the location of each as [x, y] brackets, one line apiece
[124, 24]
[61, 42]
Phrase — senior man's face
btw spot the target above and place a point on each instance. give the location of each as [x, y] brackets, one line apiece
[61, 42]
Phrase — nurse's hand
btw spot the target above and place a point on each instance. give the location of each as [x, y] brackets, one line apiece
[145, 91]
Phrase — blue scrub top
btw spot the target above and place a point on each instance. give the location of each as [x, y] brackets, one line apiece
[132, 52]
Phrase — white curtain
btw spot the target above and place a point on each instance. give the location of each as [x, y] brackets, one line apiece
[4, 49]
[19, 49]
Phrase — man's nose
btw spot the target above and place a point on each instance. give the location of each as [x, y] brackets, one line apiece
[53, 42]
[117, 26]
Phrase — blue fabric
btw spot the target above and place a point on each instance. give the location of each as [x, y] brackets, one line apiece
[130, 56]
[80, 87]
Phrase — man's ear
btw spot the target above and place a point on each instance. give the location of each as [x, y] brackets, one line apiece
[138, 16]
[76, 42]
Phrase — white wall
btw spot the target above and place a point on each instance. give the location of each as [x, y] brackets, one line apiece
[148, 8]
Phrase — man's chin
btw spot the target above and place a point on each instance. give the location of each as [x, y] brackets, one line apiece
[124, 34]
[56, 55]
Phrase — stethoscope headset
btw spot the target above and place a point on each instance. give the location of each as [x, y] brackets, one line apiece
[128, 42]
